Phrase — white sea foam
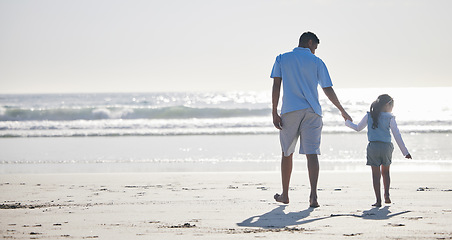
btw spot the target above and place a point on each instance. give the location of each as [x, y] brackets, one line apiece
[155, 114]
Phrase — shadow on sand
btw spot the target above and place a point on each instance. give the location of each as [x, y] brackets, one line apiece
[277, 218]
[373, 214]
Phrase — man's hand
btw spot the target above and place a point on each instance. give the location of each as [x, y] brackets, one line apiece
[277, 121]
[346, 116]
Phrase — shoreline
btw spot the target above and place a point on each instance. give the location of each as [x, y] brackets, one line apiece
[225, 205]
[193, 168]
[339, 152]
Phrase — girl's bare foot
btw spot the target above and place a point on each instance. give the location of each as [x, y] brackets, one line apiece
[281, 199]
[313, 202]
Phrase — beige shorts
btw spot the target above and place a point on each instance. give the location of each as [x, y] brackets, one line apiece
[304, 124]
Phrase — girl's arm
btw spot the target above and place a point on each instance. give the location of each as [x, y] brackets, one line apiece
[398, 136]
[361, 125]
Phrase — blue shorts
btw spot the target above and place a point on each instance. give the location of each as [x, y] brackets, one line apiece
[379, 153]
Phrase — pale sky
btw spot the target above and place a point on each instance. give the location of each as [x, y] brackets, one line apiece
[61, 46]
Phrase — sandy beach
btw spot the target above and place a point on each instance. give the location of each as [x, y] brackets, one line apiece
[156, 120]
[221, 206]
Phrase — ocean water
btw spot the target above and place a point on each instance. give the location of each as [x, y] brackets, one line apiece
[215, 131]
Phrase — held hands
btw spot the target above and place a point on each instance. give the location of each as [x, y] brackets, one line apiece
[346, 116]
[408, 156]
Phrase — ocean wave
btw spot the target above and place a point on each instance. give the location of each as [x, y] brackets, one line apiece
[98, 113]
[174, 127]
[157, 114]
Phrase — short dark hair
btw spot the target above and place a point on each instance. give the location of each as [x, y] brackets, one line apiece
[305, 37]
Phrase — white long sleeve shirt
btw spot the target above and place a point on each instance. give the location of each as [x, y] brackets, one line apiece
[393, 126]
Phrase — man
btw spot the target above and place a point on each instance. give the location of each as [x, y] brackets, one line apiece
[300, 72]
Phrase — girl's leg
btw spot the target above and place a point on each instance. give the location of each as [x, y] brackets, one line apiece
[386, 181]
[376, 176]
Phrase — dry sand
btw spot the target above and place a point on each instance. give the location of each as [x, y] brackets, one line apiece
[221, 206]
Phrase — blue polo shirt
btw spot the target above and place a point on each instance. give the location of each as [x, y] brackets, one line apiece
[301, 73]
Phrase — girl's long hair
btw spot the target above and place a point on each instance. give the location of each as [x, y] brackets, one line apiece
[377, 105]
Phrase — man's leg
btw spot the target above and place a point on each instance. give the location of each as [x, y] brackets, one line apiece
[286, 172]
[313, 170]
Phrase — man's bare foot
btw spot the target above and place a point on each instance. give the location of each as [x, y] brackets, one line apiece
[281, 199]
[377, 204]
[387, 199]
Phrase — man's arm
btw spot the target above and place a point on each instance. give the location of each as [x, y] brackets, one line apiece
[329, 92]
[275, 99]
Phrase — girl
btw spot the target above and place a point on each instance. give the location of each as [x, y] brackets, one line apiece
[379, 150]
